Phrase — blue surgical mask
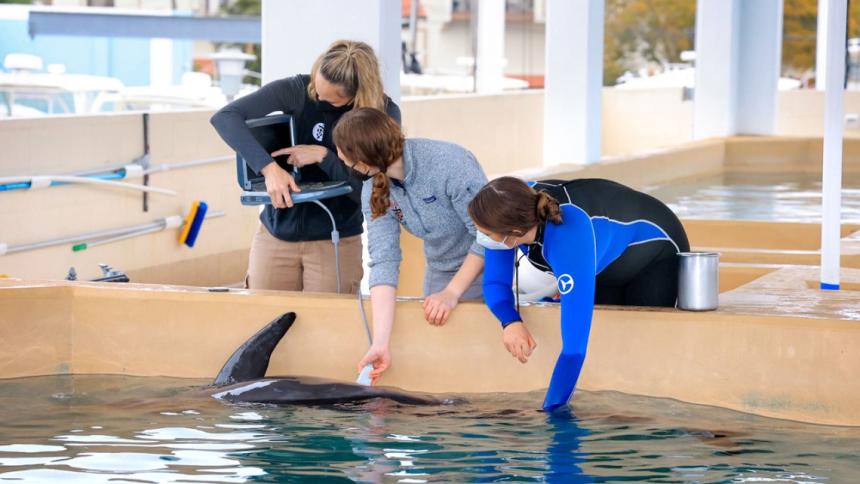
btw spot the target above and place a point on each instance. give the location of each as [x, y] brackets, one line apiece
[485, 241]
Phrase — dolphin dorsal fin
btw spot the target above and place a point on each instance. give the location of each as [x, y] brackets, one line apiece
[251, 360]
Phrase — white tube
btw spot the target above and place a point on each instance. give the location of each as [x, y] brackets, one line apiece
[831, 182]
[84, 180]
[167, 222]
[124, 236]
[188, 164]
[163, 224]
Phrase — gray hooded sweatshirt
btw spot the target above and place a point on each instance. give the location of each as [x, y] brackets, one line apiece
[431, 203]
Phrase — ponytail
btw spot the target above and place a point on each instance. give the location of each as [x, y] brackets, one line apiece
[547, 208]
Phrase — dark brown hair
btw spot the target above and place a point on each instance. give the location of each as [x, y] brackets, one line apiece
[370, 136]
[507, 205]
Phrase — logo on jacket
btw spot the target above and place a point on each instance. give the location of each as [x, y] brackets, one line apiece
[398, 213]
[565, 283]
[430, 199]
[318, 131]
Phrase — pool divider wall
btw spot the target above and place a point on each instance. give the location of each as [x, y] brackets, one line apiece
[780, 366]
[786, 154]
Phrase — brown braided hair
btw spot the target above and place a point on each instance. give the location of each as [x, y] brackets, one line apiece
[507, 205]
[369, 136]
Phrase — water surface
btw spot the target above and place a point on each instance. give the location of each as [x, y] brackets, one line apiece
[124, 429]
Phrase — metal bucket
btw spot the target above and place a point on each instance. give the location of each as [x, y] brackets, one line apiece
[698, 281]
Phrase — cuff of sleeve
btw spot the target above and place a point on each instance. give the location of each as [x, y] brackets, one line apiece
[383, 278]
[507, 316]
[373, 284]
[477, 249]
[258, 164]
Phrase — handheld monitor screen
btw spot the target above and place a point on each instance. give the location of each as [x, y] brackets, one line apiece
[273, 133]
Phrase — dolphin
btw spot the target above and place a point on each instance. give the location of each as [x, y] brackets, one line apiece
[243, 378]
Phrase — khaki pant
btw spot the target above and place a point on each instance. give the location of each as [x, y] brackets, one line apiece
[303, 266]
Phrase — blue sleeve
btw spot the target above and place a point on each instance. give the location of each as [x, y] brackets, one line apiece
[570, 250]
[498, 276]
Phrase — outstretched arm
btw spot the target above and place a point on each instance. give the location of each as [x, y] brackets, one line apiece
[570, 250]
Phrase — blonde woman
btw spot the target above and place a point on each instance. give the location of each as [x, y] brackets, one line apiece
[425, 186]
[292, 248]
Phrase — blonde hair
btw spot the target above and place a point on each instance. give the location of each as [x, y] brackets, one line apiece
[353, 66]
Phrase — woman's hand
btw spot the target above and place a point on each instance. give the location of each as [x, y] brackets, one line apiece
[279, 184]
[518, 341]
[303, 155]
[379, 357]
[437, 307]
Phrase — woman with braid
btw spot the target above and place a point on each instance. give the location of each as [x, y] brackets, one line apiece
[425, 186]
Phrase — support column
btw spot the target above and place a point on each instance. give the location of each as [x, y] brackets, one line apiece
[715, 95]
[490, 62]
[759, 66]
[738, 60]
[574, 79]
[296, 32]
[831, 189]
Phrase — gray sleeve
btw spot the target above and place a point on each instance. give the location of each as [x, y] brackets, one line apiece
[383, 243]
[462, 187]
[287, 95]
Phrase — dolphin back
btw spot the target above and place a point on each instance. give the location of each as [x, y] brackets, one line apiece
[251, 360]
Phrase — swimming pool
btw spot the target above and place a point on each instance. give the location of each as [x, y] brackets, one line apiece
[109, 428]
[787, 196]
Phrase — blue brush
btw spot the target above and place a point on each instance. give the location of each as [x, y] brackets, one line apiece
[194, 230]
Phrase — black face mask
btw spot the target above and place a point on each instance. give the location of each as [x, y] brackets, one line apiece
[328, 107]
[358, 175]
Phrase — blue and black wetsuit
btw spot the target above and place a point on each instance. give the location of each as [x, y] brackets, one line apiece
[614, 246]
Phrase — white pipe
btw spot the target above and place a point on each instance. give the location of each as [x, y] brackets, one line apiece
[158, 228]
[167, 222]
[171, 222]
[74, 239]
[831, 182]
[43, 181]
[187, 164]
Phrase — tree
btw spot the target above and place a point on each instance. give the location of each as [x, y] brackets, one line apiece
[642, 32]
[800, 23]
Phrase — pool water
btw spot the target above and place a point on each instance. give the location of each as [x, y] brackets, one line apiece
[124, 429]
[791, 197]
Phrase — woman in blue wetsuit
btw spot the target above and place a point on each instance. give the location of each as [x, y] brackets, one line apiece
[604, 243]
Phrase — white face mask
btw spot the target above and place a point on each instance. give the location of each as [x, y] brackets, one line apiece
[485, 241]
